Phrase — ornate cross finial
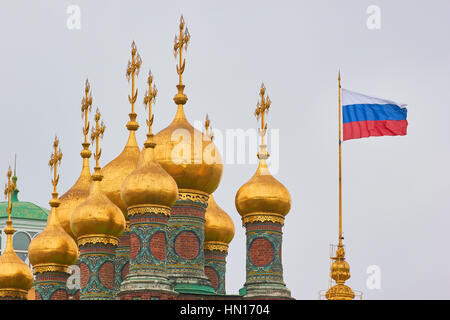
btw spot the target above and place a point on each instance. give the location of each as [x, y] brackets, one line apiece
[55, 160]
[262, 109]
[86, 107]
[96, 134]
[181, 41]
[10, 186]
[149, 98]
[133, 70]
[208, 128]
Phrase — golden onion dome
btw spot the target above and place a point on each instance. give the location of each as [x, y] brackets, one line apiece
[74, 197]
[97, 215]
[218, 225]
[15, 275]
[53, 247]
[118, 169]
[149, 183]
[188, 155]
[263, 193]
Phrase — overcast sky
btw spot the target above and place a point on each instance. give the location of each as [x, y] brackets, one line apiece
[396, 190]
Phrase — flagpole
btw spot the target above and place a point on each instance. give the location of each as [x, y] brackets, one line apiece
[340, 164]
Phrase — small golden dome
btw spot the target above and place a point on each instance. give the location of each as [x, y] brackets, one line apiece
[118, 169]
[149, 183]
[74, 197]
[15, 275]
[188, 155]
[263, 193]
[53, 246]
[218, 225]
[97, 215]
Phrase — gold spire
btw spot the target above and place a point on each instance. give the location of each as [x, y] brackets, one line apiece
[80, 190]
[15, 276]
[53, 249]
[149, 184]
[181, 41]
[194, 162]
[119, 168]
[263, 197]
[97, 219]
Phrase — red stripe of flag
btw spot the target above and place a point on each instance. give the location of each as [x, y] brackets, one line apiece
[364, 129]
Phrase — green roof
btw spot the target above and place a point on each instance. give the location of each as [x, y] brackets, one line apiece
[23, 209]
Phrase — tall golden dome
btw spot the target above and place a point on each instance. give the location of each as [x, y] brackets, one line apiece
[118, 169]
[219, 228]
[16, 277]
[80, 190]
[53, 249]
[263, 193]
[184, 152]
[97, 216]
[149, 183]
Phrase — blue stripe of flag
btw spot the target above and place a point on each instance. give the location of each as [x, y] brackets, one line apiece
[372, 112]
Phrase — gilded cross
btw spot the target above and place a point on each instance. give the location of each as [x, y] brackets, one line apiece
[96, 134]
[181, 41]
[149, 98]
[133, 70]
[55, 160]
[86, 106]
[262, 108]
[9, 189]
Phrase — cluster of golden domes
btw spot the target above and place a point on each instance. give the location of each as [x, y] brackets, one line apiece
[97, 205]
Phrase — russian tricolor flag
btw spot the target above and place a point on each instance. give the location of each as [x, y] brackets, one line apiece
[365, 116]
